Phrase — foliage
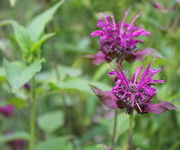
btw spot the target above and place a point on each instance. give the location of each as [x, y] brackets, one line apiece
[49, 48]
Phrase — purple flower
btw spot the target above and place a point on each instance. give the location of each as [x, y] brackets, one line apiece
[159, 6]
[17, 144]
[118, 40]
[7, 110]
[135, 93]
[27, 86]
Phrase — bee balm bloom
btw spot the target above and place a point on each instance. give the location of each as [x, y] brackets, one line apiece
[135, 93]
[118, 40]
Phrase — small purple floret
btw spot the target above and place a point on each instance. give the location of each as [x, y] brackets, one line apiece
[27, 86]
[159, 6]
[18, 144]
[118, 40]
[135, 93]
[7, 110]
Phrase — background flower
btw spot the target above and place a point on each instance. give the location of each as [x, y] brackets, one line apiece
[7, 110]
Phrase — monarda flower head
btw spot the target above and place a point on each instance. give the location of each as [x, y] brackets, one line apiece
[118, 40]
[135, 93]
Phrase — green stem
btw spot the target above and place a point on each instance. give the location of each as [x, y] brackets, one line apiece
[63, 98]
[33, 117]
[114, 127]
[130, 136]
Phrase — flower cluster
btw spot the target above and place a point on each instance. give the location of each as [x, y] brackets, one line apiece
[118, 40]
[135, 93]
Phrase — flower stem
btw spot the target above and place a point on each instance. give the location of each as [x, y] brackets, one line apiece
[33, 117]
[130, 136]
[114, 127]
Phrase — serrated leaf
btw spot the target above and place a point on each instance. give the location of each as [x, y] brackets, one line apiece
[51, 121]
[55, 143]
[18, 135]
[18, 73]
[22, 36]
[37, 25]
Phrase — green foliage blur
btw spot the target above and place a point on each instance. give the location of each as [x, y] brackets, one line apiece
[69, 116]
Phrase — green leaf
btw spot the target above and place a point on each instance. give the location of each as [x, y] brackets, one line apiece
[18, 102]
[37, 45]
[157, 62]
[91, 106]
[51, 121]
[101, 71]
[22, 36]
[55, 143]
[18, 135]
[36, 27]
[68, 72]
[18, 73]
[2, 74]
[80, 85]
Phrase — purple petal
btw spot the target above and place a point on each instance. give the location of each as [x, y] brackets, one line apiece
[97, 33]
[160, 108]
[141, 54]
[106, 97]
[132, 22]
[123, 76]
[145, 73]
[158, 5]
[141, 32]
[123, 23]
[138, 70]
[159, 81]
[97, 58]
[151, 52]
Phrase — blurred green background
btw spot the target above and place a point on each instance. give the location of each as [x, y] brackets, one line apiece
[69, 115]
